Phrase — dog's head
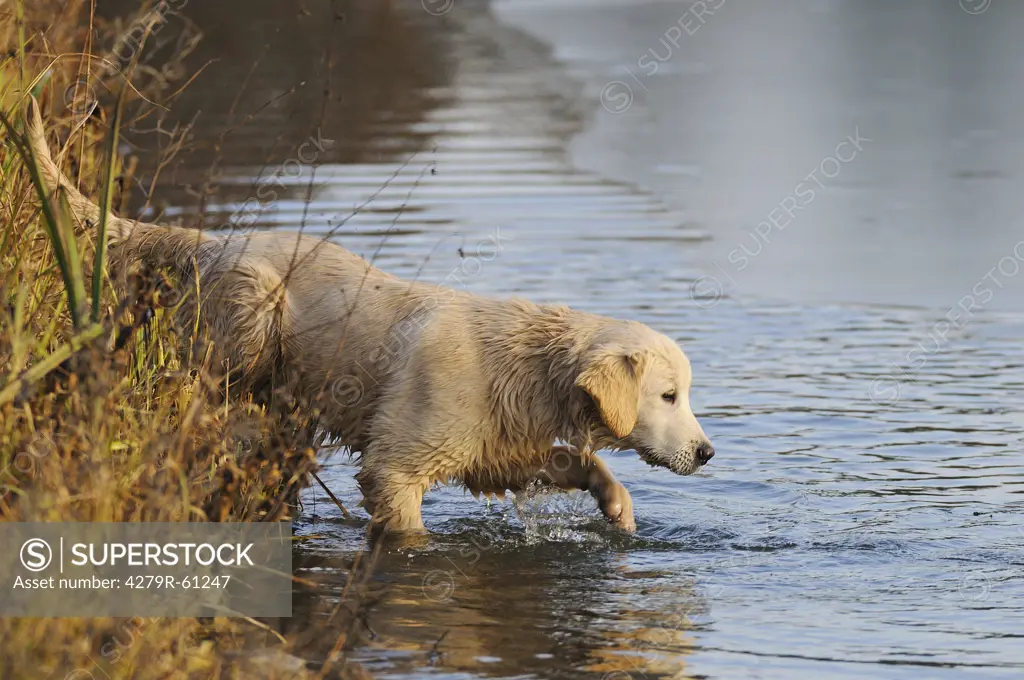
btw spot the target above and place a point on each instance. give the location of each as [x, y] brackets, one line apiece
[640, 383]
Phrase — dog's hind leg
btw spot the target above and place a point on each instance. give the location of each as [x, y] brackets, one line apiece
[567, 469]
[393, 500]
[248, 307]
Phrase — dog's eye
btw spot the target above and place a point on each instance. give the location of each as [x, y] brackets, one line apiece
[670, 397]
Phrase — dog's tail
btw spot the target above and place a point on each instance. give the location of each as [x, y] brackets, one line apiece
[82, 208]
[158, 245]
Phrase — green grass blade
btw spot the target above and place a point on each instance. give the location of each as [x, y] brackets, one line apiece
[50, 223]
[66, 225]
[106, 197]
[47, 364]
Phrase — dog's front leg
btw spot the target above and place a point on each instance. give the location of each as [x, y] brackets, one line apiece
[566, 469]
[392, 500]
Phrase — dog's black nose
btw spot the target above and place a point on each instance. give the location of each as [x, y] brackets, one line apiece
[705, 452]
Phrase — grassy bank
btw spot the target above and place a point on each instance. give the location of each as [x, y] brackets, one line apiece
[102, 417]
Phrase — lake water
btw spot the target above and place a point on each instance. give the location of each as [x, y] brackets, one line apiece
[863, 515]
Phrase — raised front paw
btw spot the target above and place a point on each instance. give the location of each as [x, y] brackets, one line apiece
[616, 504]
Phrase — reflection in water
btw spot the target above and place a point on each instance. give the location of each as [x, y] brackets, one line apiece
[363, 76]
[847, 528]
[495, 600]
[753, 101]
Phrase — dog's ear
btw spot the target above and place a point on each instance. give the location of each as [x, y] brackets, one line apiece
[611, 376]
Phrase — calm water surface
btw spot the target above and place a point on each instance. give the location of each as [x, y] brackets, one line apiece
[863, 515]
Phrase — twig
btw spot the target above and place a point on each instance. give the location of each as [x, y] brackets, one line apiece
[435, 652]
[263, 626]
[333, 497]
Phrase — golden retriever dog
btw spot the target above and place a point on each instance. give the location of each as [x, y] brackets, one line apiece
[430, 385]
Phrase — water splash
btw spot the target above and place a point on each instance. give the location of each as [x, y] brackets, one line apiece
[557, 517]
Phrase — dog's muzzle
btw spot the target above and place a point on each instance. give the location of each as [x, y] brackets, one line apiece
[681, 463]
[705, 452]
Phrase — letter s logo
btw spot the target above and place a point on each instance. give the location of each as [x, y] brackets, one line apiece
[36, 554]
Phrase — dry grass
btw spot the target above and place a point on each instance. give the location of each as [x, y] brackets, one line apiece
[102, 418]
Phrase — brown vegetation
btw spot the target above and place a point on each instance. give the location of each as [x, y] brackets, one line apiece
[103, 417]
